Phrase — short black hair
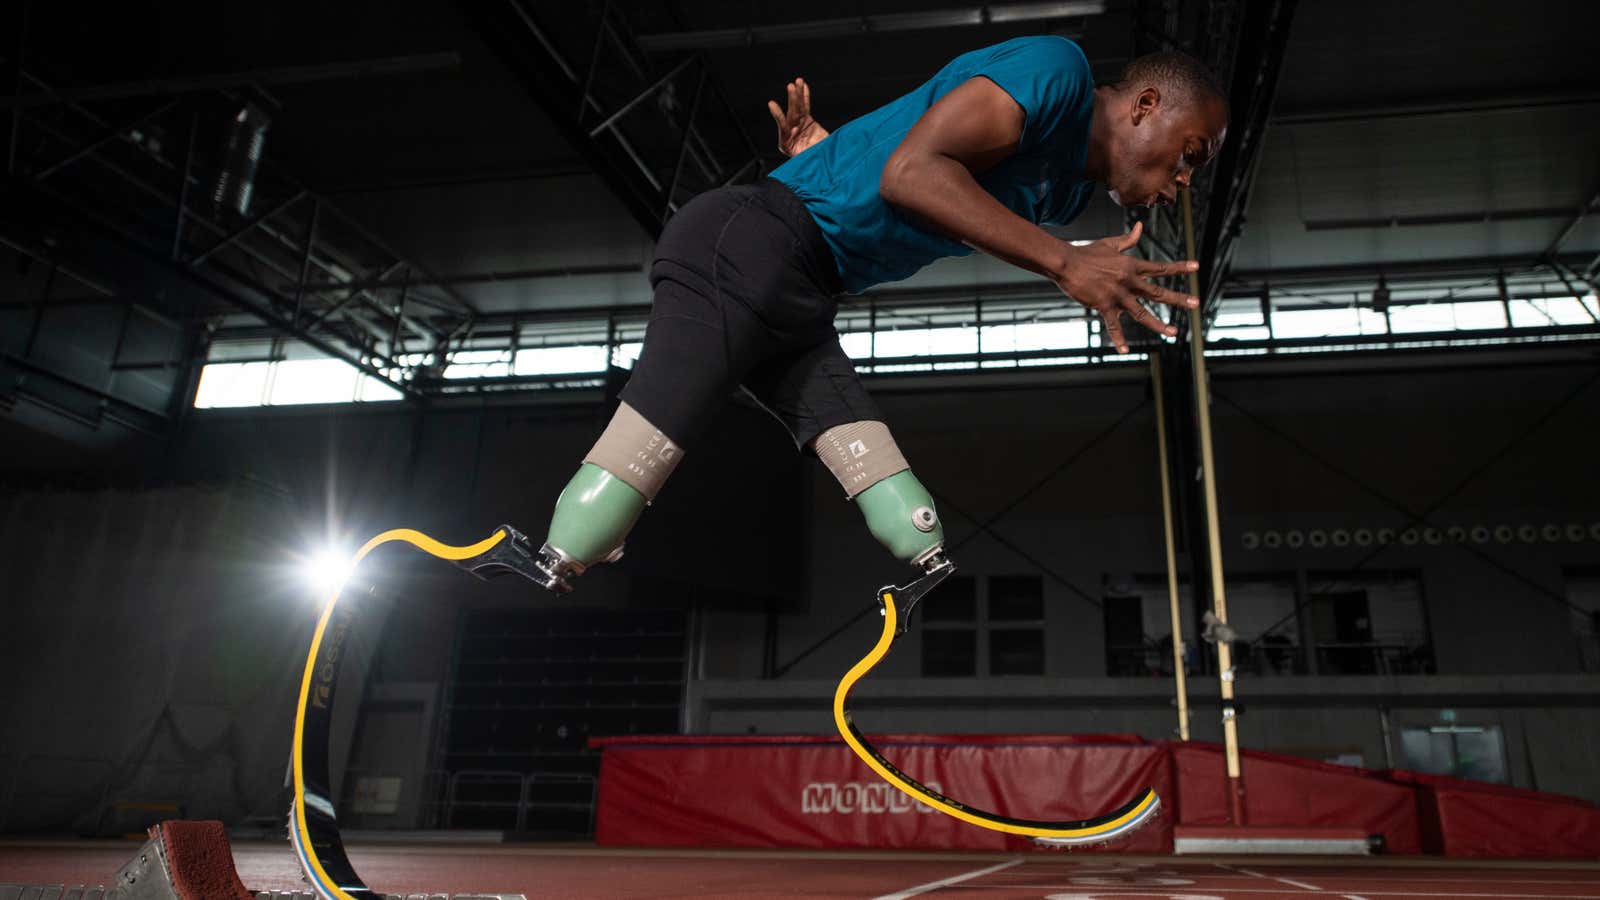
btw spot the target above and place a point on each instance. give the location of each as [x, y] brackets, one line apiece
[1178, 71]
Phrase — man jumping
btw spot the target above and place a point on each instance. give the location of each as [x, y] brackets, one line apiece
[747, 279]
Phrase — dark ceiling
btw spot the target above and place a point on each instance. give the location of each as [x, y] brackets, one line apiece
[460, 168]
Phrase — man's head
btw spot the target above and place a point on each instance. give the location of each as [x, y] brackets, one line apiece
[1165, 118]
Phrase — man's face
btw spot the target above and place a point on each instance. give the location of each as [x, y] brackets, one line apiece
[1157, 147]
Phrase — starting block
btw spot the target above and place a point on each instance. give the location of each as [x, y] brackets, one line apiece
[188, 861]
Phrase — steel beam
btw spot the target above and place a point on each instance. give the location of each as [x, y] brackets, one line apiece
[1465, 268]
[993, 13]
[683, 146]
[647, 93]
[1562, 273]
[231, 274]
[108, 403]
[153, 263]
[305, 259]
[464, 308]
[1264, 37]
[337, 327]
[506, 276]
[1443, 106]
[395, 65]
[201, 220]
[534, 57]
[506, 26]
[183, 188]
[249, 226]
[110, 135]
[1589, 206]
[1467, 218]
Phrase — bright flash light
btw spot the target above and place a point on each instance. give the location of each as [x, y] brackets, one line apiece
[327, 570]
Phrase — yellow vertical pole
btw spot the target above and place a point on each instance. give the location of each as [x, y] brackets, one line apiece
[1172, 561]
[1208, 477]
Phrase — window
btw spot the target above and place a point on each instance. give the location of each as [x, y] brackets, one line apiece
[563, 360]
[233, 384]
[1553, 311]
[1262, 611]
[287, 382]
[1016, 625]
[993, 625]
[1477, 752]
[1459, 316]
[1138, 625]
[1326, 322]
[950, 629]
[1368, 623]
[1235, 322]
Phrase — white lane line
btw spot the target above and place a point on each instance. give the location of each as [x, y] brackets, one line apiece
[1299, 884]
[1458, 894]
[954, 879]
[1391, 881]
[1354, 897]
[1072, 890]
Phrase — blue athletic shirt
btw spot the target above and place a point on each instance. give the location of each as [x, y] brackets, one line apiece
[1042, 181]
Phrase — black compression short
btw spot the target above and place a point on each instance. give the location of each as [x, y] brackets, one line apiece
[745, 294]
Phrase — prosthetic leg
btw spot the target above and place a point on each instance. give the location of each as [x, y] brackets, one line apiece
[874, 473]
[900, 514]
[619, 477]
[632, 460]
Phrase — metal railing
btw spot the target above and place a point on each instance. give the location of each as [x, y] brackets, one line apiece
[461, 796]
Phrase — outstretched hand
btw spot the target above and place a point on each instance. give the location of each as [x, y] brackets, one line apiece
[1100, 277]
[796, 129]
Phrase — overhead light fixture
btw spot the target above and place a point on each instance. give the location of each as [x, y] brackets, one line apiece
[241, 156]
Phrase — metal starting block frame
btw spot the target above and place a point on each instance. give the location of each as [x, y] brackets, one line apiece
[154, 872]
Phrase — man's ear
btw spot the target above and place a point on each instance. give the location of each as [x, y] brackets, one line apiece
[1144, 103]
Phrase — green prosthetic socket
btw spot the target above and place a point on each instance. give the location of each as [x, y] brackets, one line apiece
[593, 515]
[900, 514]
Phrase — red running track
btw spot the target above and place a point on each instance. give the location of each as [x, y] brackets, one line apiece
[545, 871]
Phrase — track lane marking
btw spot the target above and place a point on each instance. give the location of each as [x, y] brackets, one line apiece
[1134, 891]
[1299, 884]
[1391, 881]
[954, 879]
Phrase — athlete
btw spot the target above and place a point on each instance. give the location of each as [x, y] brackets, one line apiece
[747, 279]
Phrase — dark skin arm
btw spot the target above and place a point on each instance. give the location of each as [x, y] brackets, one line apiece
[932, 175]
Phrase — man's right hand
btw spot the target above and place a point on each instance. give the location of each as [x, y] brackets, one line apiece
[1100, 277]
[796, 129]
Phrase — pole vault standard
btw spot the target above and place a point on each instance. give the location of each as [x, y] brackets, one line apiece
[1208, 477]
[1172, 565]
